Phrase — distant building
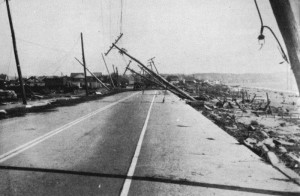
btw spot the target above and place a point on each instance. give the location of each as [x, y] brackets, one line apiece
[57, 82]
[77, 79]
[173, 79]
[35, 81]
[3, 80]
[3, 77]
[190, 81]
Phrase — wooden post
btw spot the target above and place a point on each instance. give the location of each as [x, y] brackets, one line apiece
[16, 54]
[290, 30]
[112, 82]
[117, 76]
[113, 67]
[84, 65]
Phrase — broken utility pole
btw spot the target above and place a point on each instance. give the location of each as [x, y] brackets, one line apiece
[158, 77]
[92, 74]
[16, 54]
[112, 82]
[84, 66]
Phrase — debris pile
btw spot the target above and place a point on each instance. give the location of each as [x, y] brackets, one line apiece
[267, 122]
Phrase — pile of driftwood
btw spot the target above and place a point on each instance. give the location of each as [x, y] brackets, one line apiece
[224, 107]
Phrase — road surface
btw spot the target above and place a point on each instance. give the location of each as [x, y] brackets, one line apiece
[129, 144]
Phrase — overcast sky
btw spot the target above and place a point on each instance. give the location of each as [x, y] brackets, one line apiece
[185, 36]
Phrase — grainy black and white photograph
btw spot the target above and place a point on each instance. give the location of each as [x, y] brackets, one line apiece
[149, 97]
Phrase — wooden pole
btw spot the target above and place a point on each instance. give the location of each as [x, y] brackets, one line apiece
[290, 30]
[84, 67]
[153, 81]
[113, 66]
[158, 77]
[16, 54]
[126, 67]
[117, 76]
[112, 82]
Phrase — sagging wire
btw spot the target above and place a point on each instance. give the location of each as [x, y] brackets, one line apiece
[10, 54]
[61, 60]
[40, 45]
[261, 37]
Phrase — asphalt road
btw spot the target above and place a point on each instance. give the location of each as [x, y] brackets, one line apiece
[88, 149]
[129, 144]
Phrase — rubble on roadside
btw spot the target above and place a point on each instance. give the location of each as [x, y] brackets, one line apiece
[267, 122]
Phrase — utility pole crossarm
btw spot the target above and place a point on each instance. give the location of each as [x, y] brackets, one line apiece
[92, 74]
[116, 41]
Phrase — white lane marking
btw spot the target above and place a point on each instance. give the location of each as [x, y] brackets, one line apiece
[44, 137]
[130, 173]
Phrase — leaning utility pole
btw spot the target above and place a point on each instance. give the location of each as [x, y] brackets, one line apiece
[84, 65]
[286, 19]
[16, 54]
[155, 75]
[112, 82]
[92, 74]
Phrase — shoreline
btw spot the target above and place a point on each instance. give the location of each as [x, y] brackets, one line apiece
[243, 85]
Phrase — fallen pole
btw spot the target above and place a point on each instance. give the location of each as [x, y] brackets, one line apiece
[160, 78]
[132, 71]
[156, 82]
[93, 74]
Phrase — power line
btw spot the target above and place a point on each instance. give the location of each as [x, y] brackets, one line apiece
[121, 17]
[9, 62]
[64, 57]
[110, 34]
[40, 45]
[101, 7]
[261, 37]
